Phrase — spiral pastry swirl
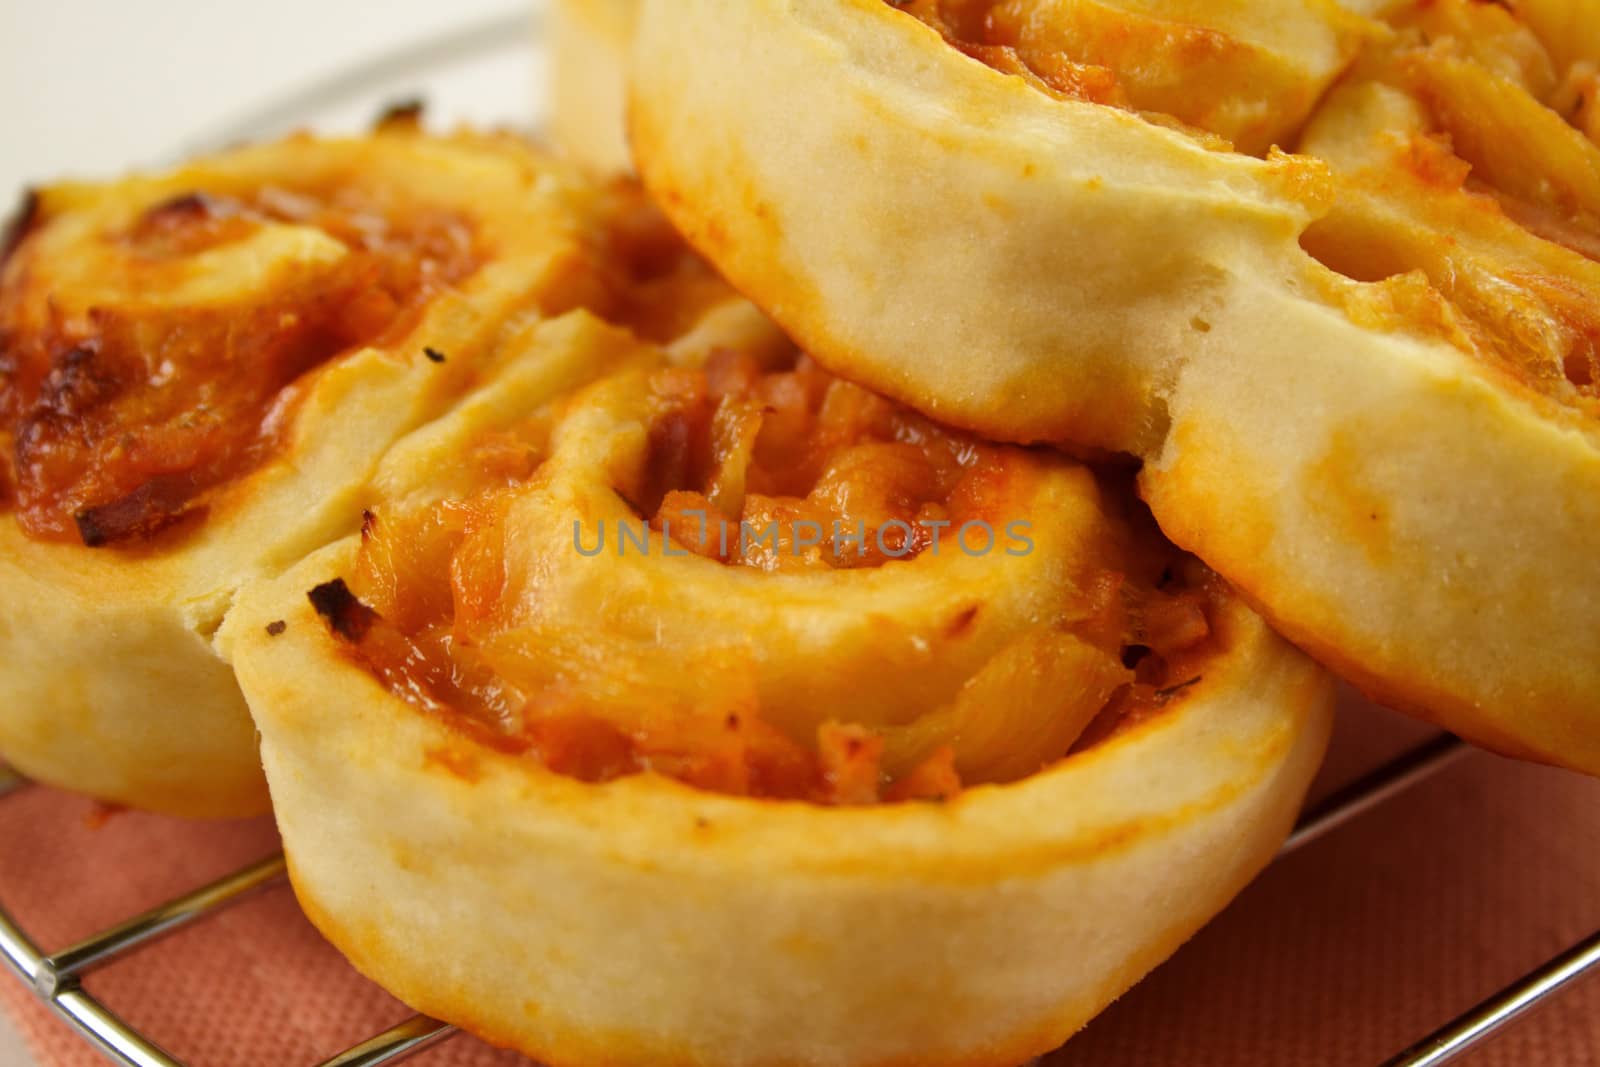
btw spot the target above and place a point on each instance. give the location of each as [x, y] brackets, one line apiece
[695, 542]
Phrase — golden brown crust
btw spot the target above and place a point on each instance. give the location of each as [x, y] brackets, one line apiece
[632, 901]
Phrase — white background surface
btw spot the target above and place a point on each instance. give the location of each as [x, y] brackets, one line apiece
[92, 88]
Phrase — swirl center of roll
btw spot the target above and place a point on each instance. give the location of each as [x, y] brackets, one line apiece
[581, 606]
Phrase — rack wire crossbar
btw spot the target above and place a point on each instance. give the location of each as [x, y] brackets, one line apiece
[57, 978]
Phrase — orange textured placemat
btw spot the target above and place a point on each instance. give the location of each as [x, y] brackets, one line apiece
[1341, 954]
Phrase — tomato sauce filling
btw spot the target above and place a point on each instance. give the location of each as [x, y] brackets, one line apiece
[1526, 317]
[1125, 66]
[1569, 368]
[1495, 138]
[742, 442]
[117, 424]
[736, 452]
[993, 38]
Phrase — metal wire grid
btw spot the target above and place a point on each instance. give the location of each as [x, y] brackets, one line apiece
[56, 978]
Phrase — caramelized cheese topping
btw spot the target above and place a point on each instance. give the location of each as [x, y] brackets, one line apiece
[1233, 75]
[1471, 189]
[737, 450]
[118, 422]
[979, 28]
[424, 606]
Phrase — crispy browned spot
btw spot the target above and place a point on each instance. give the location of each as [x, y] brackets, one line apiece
[116, 424]
[345, 615]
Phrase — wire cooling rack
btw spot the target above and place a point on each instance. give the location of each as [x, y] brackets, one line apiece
[56, 977]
